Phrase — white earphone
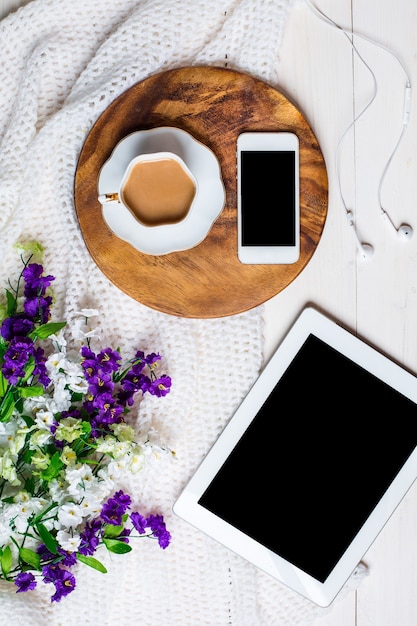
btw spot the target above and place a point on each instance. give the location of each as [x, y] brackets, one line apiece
[404, 231]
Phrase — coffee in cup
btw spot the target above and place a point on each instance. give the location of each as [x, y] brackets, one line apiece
[157, 189]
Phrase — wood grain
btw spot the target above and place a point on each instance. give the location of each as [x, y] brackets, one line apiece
[214, 105]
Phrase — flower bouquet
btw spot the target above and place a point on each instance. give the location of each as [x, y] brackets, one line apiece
[65, 441]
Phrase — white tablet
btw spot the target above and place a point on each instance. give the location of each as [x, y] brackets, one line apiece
[314, 461]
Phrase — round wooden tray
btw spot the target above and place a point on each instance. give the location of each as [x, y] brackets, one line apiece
[214, 105]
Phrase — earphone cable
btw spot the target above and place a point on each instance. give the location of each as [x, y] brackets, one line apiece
[407, 101]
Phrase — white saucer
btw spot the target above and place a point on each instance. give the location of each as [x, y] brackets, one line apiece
[207, 205]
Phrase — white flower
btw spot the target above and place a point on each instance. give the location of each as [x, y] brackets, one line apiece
[8, 469]
[68, 541]
[55, 362]
[123, 431]
[41, 460]
[61, 396]
[81, 334]
[107, 481]
[69, 429]
[69, 515]
[59, 339]
[79, 479]
[7, 432]
[117, 469]
[121, 448]
[44, 419]
[91, 505]
[19, 512]
[57, 489]
[136, 460]
[22, 496]
[64, 372]
[17, 442]
[68, 456]
[39, 438]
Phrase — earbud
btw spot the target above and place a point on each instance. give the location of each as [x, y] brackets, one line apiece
[365, 250]
[405, 231]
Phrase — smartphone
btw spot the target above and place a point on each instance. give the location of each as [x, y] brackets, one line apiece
[268, 203]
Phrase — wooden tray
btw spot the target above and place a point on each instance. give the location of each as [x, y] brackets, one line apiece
[214, 105]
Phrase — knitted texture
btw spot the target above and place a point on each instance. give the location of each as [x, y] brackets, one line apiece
[62, 63]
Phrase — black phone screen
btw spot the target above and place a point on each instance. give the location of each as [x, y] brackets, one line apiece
[267, 187]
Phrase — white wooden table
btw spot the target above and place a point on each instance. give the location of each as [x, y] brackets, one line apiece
[377, 298]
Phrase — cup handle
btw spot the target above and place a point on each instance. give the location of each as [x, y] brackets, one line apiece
[109, 197]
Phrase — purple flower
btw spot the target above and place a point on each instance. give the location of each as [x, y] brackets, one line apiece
[90, 537]
[44, 553]
[157, 525]
[38, 308]
[160, 386]
[36, 304]
[16, 357]
[139, 360]
[89, 363]
[139, 522]
[25, 581]
[63, 580]
[114, 509]
[47, 557]
[72, 413]
[68, 558]
[40, 367]
[35, 283]
[17, 325]
[150, 359]
[100, 384]
[109, 412]
[109, 360]
[133, 382]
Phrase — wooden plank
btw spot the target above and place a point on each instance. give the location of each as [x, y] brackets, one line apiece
[387, 286]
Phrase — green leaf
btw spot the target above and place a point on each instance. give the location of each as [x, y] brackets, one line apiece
[53, 469]
[86, 428]
[118, 547]
[47, 538]
[91, 562]
[6, 560]
[28, 420]
[29, 368]
[3, 384]
[30, 557]
[11, 303]
[113, 531]
[30, 484]
[27, 455]
[30, 392]
[7, 407]
[45, 330]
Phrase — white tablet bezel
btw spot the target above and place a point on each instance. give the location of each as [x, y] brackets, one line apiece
[187, 506]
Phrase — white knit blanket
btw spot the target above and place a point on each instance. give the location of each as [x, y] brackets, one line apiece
[62, 63]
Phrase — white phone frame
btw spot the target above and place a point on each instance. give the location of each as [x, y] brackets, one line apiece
[269, 254]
